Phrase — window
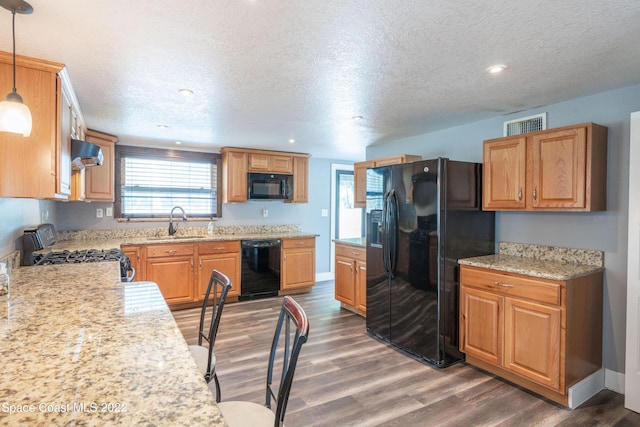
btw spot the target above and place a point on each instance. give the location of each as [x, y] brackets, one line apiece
[150, 182]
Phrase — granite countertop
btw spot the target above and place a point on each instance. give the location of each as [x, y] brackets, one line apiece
[546, 262]
[116, 242]
[82, 349]
[359, 242]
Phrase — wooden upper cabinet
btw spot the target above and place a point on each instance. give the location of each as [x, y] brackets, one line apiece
[270, 163]
[504, 173]
[100, 180]
[234, 176]
[300, 180]
[38, 166]
[238, 162]
[557, 169]
[360, 174]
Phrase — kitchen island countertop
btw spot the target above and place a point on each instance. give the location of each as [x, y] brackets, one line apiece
[87, 349]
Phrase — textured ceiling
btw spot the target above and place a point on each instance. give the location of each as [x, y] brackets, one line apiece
[265, 71]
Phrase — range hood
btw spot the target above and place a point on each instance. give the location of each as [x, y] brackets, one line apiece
[84, 153]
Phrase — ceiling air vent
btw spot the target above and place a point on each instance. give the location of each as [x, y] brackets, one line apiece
[525, 125]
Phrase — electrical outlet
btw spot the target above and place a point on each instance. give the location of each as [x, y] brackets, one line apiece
[325, 212]
[108, 212]
[265, 213]
[99, 213]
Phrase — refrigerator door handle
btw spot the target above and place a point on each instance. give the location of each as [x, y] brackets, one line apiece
[393, 232]
[385, 233]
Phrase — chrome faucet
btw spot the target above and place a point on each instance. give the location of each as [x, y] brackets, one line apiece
[174, 228]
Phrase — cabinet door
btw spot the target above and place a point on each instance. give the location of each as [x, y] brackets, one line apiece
[133, 253]
[559, 168]
[234, 177]
[360, 182]
[100, 180]
[361, 285]
[63, 160]
[481, 324]
[174, 276]
[504, 171]
[532, 342]
[345, 280]
[298, 266]
[226, 263]
[259, 162]
[281, 164]
[300, 180]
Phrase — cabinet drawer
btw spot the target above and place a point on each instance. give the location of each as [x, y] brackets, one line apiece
[169, 250]
[359, 254]
[541, 290]
[299, 243]
[219, 247]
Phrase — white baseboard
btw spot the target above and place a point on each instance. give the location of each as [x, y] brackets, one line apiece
[321, 277]
[614, 381]
[586, 389]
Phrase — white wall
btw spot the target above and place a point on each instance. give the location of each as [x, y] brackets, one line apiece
[606, 231]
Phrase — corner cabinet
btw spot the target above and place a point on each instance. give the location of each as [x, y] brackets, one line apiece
[238, 162]
[545, 335]
[360, 174]
[298, 264]
[39, 166]
[562, 169]
[351, 277]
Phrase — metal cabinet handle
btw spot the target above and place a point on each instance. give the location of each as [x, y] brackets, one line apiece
[171, 251]
[535, 193]
[520, 196]
[503, 285]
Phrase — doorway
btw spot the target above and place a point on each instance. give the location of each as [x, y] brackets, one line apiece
[347, 221]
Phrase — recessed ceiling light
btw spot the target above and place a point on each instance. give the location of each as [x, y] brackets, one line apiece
[178, 142]
[163, 127]
[356, 118]
[186, 92]
[495, 69]
[292, 141]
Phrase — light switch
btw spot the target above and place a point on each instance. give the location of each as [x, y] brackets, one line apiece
[108, 211]
[99, 213]
[325, 212]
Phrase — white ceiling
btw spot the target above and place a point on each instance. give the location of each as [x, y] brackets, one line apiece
[265, 71]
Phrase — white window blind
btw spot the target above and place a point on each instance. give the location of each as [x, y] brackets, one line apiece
[151, 187]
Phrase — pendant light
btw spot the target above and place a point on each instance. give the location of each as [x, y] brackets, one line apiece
[15, 116]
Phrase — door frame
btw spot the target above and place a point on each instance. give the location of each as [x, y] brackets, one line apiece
[632, 356]
[334, 168]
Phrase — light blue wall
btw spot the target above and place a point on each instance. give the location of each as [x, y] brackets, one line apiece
[82, 216]
[606, 231]
[18, 214]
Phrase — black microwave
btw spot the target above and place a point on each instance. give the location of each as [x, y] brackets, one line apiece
[270, 186]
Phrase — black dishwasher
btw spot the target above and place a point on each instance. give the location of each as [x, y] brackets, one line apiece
[260, 270]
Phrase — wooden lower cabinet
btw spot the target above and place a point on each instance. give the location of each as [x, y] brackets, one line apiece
[351, 277]
[545, 335]
[174, 276]
[221, 256]
[182, 271]
[133, 252]
[298, 264]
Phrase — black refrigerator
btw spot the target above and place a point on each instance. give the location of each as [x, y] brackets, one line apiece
[421, 218]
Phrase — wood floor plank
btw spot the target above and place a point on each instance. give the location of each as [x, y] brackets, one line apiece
[347, 378]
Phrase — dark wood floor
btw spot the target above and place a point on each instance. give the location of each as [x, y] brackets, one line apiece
[346, 378]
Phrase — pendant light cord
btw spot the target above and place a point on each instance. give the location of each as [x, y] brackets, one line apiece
[13, 26]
